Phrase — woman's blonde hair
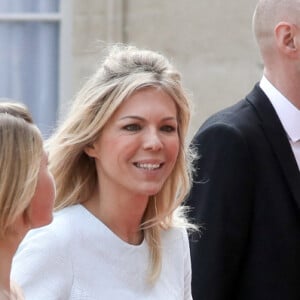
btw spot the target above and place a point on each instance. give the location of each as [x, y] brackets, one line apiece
[21, 149]
[125, 70]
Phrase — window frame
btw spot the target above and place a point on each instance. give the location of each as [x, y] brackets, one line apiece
[64, 19]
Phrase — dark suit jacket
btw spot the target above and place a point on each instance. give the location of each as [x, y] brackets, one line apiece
[247, 197]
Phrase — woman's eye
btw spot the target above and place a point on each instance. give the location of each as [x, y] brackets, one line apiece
[168, 128]
[132, 127]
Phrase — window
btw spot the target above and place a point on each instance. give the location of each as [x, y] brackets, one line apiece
[33, 47]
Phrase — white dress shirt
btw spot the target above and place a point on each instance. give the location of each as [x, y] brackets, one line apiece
[288, 114]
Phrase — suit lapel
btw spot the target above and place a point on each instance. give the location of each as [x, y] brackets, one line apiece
[277, 138]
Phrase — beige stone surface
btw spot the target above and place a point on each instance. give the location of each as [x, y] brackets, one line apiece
[210, 42]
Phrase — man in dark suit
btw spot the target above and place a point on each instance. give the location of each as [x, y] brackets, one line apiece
[246, 192]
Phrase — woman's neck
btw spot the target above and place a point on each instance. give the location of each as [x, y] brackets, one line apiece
[8, 247]
[122, 216]
[7, 251]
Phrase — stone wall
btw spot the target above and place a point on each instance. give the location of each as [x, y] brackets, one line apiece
[210, 42]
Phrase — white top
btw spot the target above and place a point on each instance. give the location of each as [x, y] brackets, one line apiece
[288, 114]
[78, 257]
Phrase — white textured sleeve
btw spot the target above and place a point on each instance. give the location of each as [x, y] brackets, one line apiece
[42, 266]
[187, 268]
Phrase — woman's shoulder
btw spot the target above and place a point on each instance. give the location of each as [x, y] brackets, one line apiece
[174, 234]
[68, 215]
[61, 231]
[175, 246]
[66, 219]
[49, 247]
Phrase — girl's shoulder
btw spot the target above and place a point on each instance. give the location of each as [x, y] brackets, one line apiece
[15, 292]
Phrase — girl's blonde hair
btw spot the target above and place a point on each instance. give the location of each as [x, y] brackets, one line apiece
[21, 149]
[125, 70]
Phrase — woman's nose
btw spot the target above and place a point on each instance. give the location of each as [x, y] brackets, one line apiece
[152, 141]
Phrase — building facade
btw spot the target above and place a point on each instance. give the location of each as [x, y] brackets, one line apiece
[210, 42]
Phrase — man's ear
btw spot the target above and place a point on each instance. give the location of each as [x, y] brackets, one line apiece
[91, 151]
[285, 34]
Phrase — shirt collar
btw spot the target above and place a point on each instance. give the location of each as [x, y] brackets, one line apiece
[288, 114]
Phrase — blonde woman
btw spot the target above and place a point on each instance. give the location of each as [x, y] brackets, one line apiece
[122, 170]
[26, 189]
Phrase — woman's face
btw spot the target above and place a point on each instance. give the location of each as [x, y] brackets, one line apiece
[138, 147]
[41, 207]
